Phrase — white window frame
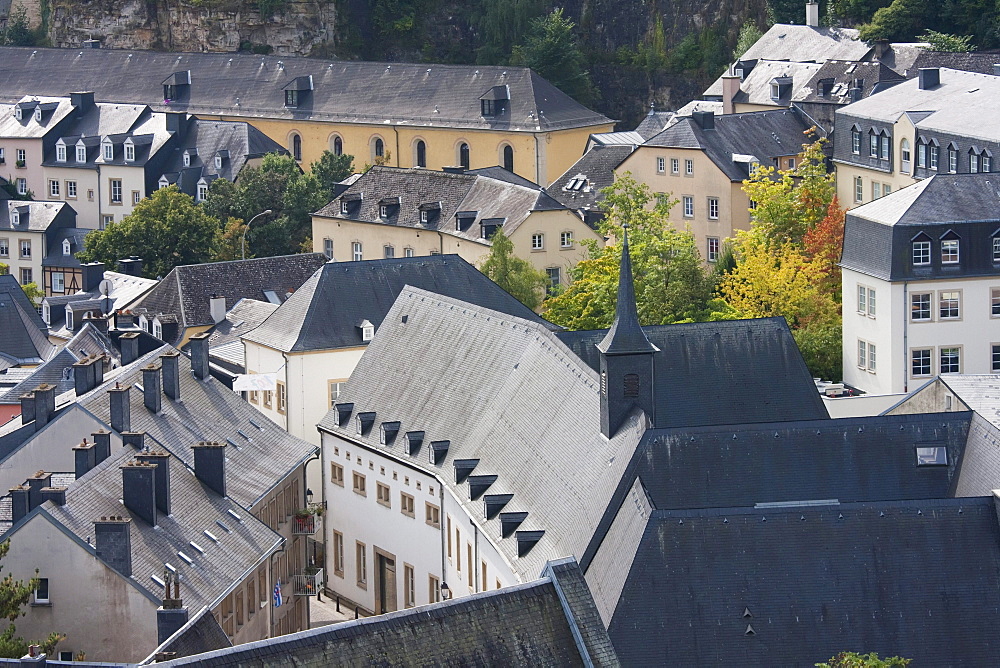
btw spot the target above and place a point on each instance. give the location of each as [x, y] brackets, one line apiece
[675, 166]
[81, 153]
[958, 357]
[22, 186]
[929, 303]
[58, 281]
[565, 240]
[54, 188]
[689, 167]
[920, 249]
[129, 152]
[661, 164]
[713, 208]
[60, 152]
[537, 241]
[108, 151]
[688, 204]
[71, 189]
[714, 246]
[357, 251]
[859, 189]
[951, 253]
[856, 142]
[115, 194]
[952, 301]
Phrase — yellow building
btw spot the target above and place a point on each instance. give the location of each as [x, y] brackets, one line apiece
[391, 212]
[399, 114]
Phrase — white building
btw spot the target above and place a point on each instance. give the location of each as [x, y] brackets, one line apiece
[921, 284]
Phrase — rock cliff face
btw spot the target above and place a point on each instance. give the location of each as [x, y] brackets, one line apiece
[209, 25]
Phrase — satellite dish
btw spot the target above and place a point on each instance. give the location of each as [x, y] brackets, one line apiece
[105, 287]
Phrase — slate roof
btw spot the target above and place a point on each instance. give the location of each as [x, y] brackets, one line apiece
[201, 634]
[58, 371]
[257, 460]
[237, 141]
[804, 44]
[529, 624]
[483, 197]
[533, 400]
[702, 370]
[55, 110]
[125, 289]
[194, 508]
[878, 236]
[24, 337]
[251, 86]
[756, 86]
[973, 61]
[793, 586]
[874, 76]
[326, 311]
[35, 216]
[579, 187]
[767, 135]
[186, 290]
[55, 256]
[653, 123]
[980, 392]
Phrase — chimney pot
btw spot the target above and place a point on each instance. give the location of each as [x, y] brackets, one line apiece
[199, 355]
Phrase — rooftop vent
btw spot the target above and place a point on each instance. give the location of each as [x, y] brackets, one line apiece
[929, 77]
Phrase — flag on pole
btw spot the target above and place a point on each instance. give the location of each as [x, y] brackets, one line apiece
[255, 382]
[277, 594]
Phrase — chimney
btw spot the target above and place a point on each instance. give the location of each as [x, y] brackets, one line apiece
[930, 77]
[730, 87]
[151, 387]
[855, 94]
[102, 446]
[217, 307]
[121, 409]
[45, 404]
[99, 362]
[93, 272]
[124, 320]
[169, 365]
[34, 657]
[172, 615]
[210, 465]
[129, 345]
[704, 119]
[82, 101]
[812, 14]
[36, 483]
[85, 458]
[99, 322]
[18, 503]
[113, 542]
[159, 459]
[996, 69]
[131, 266]
[27, 407]
[199, 355]
[134, 439]
[139, 490]
[56, 495]
[174, 120]
[83, 376]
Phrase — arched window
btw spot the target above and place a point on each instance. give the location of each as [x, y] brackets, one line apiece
[508, 158]
[338, 146]
[297, 147]
[904, 153]
[463, 155]
[421, 160]
[379, 148]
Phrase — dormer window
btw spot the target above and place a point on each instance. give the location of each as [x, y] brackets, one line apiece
[46, 313]
[60, 152]
[383, 211]
[187, 159]
[17, 113]
[163, 182]
[169, 92]
[291, 98]
[129, 151]
[66, 247]
[425, 217]
[494, 101]
[38, 114]
[344, 206]
[367, 330]
[202, 190]
[297, 92]
[775, 91]
[934, 455]
[949, 248]
[81, 151]
[69, 318]
[176, 85]
[218, 162]
[921, 250]
[108, 151]
[873, 145]
[15, 217]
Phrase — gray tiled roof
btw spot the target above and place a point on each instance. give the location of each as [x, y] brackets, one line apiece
[251, 86]
[579, 187]
[792, 586]
[24, 334]
[756, 86]
[325, 312]
[35, 216]
[767, 135]
[653, 123]
[980, 392]
[479, 192]
[201, 634]
[208, 411]
[28, 127]
[532, 624]
[58, 370]
[803, 44]
[185, 292]
[534, 403]
[702, 369]
[874, 77]
[55, 256]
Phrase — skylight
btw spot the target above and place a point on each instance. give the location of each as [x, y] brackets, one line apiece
[936, 455]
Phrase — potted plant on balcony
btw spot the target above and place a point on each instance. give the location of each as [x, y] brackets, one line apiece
[19, 164]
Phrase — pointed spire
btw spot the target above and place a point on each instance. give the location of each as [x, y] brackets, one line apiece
[626, 335]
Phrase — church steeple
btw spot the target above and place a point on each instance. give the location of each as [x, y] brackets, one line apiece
[626, 357]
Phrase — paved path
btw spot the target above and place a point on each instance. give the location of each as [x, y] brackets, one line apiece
[325, 612]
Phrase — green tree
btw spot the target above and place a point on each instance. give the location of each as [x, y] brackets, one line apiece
[166, 229]
[899, 21]
[18, 31]
[940, 41]
[502, 25]
[551, 49]
[330, 170]
[14, 596]
[857, 11]
[855, 660]
[671, 284]
[749, 34]
[516, 276]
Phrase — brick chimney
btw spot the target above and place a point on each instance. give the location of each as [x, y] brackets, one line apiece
[151, 387]
[172, 615]
[139, 490]
[121, 409]
[210, 465]
[102, 445]
[730, 87]
[170, 368]
[113, 541]
[85, 458]
[129, 345]
[45, 404]
[199, 355]
[160, 460]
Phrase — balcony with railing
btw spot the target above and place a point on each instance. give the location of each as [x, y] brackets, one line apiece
[308, 583]
[304, 523]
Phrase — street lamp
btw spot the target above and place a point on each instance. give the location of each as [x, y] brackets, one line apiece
[247, 227]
